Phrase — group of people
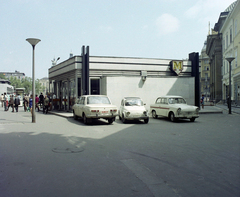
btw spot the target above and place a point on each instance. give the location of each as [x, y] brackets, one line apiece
[40, 101]
[13, 102]
[10, 101]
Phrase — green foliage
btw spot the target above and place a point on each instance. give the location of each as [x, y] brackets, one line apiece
[27, 84]
[2, 76]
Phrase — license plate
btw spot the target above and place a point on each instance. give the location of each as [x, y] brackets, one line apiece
[104, 112]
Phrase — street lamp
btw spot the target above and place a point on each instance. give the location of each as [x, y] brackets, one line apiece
[230, 59]
[33, 42]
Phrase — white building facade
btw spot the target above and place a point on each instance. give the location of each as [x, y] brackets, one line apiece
[118, 77]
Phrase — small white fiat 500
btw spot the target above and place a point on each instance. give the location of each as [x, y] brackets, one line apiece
[174, 107]
[132, 108]
[91, 107]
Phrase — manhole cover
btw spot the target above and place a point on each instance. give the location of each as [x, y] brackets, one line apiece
[67, 150]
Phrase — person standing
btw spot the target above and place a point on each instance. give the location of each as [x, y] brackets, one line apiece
[37, 101]
[202, 101]
[17, 102]
[11, 103]
[30, 102]
[2, 99]
[5, 101]
[41, 97]
[45, 104]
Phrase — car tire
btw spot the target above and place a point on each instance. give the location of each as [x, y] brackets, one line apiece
[85, 119]
[172, 117]
[192, 119]
[123, 119]
[154, 114]
[75, 116]
[110, 120]
[146, 120]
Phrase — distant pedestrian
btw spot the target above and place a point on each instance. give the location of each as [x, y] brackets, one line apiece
[17, 102]
[11, 103]
[45, 104]
[30, 103]
[202, 101]
[25, 102]
[36, 102]
[5, 101]
[41, 97]
[228, 101]
[2, 100]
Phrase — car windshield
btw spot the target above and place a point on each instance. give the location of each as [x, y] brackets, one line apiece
[98, 100]
[176, 101]
[133, 102]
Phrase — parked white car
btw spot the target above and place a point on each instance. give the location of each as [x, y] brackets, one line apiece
[91, 107]
[174, 107]
[132, 108]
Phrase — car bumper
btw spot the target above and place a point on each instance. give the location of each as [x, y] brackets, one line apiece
[136, 117]
[187, 116]
[101, 116]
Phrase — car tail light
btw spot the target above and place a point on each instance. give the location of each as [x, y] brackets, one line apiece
[113, 110]
[94, 110]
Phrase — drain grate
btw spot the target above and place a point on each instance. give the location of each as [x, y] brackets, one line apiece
[68, 150]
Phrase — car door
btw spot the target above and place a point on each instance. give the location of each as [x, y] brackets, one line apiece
[157, 106]
[81, 105]
[164, 107]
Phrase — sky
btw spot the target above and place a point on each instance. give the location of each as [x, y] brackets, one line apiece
[162, 29]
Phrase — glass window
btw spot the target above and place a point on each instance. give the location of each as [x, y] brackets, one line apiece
[158, 100]
[230, 34]
[98, 100]
[95, 86]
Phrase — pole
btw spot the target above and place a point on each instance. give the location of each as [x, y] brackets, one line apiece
[230, 90]
[33, 88]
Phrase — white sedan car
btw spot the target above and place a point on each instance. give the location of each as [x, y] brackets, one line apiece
[91, 107]
[174, 107]
[132, 108]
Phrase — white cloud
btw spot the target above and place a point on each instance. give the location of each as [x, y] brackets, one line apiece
[167, 23]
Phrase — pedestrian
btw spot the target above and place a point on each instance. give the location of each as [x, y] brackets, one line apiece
[36, 102]
[41, 97]
[5, 101]
[202, 101]
[11, 103]
[17, 102]
[45, 104]
[25, 102]
[2, 99]
[30, 102]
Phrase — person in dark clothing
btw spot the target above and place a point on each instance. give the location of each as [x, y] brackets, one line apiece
[41, 98]
[17, 102]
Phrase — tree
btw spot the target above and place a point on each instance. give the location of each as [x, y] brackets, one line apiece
[26, 83]
[2, 76]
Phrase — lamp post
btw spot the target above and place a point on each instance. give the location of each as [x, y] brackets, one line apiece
[230, 59]
[33, 42]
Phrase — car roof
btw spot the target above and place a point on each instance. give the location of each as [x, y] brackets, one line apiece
[95, 95]
[132, 97]
[170, 96]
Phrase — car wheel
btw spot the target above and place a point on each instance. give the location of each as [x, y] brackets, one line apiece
[146, 120]
[123, 119]
[192, 119]
[85, 119]
[75, 116]
[110, 120]
[154, 114]
[172, 117]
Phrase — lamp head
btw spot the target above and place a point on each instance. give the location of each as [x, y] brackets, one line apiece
[33, 41]
[230, 59]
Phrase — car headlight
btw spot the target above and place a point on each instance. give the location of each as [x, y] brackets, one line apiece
[127, 113]
[197, 110]
[179, 110]
[145, 113]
